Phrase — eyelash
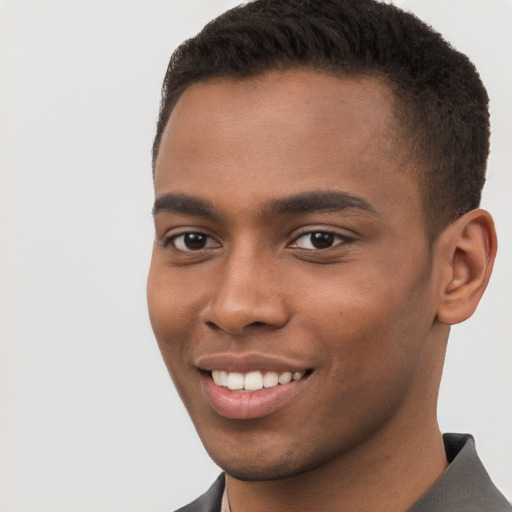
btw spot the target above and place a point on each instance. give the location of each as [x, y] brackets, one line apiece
[332, 238]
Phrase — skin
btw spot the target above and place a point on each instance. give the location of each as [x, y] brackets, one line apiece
[368, 315]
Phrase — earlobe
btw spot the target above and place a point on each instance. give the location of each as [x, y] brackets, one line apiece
[469, 247]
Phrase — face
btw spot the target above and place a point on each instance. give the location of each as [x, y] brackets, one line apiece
[291, 289]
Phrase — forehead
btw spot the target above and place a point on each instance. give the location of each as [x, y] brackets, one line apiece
[283, 133]
[293, 101]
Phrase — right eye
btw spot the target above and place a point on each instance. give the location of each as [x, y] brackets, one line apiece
[192, 241]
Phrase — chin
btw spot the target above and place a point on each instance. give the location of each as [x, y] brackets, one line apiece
[260, 467]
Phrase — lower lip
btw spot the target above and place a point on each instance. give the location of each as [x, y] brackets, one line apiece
[248, 405]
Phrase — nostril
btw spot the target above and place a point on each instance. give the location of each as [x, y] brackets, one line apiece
[214, 326]
[257, 324]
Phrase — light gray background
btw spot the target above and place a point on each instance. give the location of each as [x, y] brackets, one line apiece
[89, 419]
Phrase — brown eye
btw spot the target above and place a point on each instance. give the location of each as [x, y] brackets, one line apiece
[322, 240]
[192, 241]
[319, 240]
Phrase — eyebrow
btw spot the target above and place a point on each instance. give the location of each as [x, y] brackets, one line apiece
[320, 200]
[307, 202]
[183, 203]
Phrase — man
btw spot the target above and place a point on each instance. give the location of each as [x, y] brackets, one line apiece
[318, 169]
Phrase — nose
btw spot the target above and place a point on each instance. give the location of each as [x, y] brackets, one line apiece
[247, 294]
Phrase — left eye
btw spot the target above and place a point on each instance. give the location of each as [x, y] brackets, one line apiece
[188, 242]
[319, 240]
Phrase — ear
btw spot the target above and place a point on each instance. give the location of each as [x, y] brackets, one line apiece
[468, 248]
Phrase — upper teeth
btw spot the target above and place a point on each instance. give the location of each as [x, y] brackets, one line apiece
[253, 381]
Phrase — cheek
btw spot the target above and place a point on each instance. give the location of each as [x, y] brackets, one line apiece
[172, 294]
[170, 304]
[370, 358]
[167, 306]
[366, 325]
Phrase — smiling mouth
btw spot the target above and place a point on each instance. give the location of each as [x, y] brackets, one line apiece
[254, 380]
[251, 393]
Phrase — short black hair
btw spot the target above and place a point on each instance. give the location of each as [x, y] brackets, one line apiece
[440, 99]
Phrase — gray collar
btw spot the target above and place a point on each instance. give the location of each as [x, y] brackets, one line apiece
[465, 486]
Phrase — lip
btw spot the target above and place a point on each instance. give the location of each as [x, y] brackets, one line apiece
[253, 404]
[244, 363]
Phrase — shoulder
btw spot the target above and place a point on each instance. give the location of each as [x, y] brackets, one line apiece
[210, 501]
